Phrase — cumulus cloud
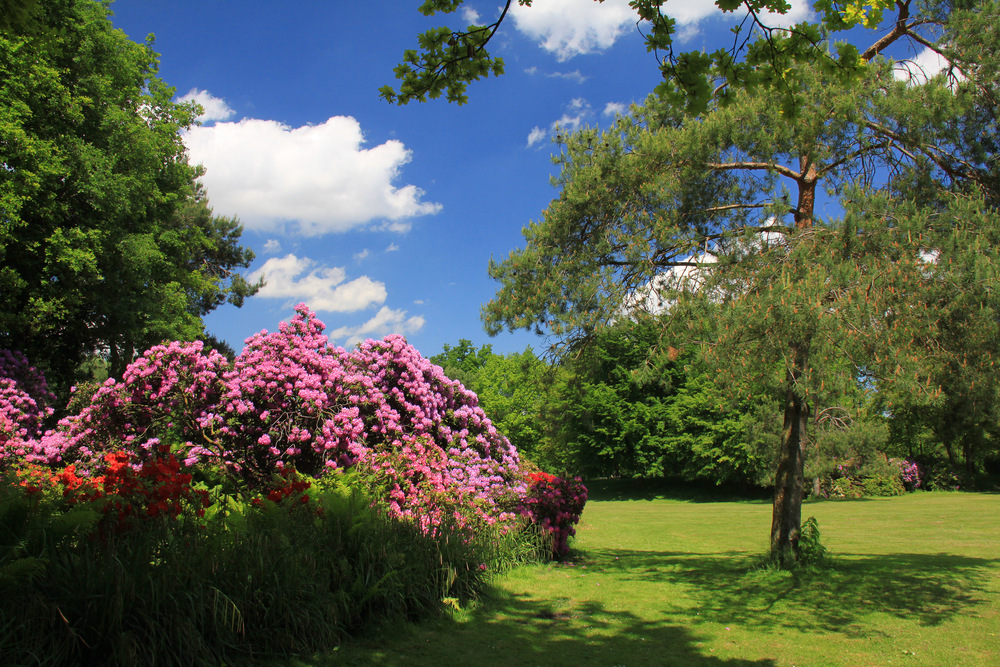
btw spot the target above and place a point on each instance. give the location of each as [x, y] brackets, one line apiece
[215, 108]
[570, 28]
[392, 247]
[322, 288]
[613, 109]
[315, 179]
[272, 246]
[471, 15]
[358, 256]
[536, 135]
[386, 321]
[573, 27]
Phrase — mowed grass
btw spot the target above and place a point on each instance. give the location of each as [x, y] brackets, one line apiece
[913, 580]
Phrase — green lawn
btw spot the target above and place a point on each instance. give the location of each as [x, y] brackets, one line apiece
[914, 580]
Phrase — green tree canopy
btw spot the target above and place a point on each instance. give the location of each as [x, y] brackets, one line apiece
[107, 244]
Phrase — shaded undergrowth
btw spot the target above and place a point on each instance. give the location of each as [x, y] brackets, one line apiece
[516, 629]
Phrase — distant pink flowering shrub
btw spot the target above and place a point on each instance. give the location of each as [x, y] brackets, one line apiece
[24, 403]
[909, 473]
[290, 399]
[555, 504]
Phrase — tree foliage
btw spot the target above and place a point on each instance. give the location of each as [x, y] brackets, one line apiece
[625, 411]
[448, 59]
[107, 245]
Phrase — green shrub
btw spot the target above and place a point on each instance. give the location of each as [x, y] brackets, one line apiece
[810, 547]
[858, 477]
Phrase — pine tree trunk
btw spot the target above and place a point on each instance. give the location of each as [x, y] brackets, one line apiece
[789, 484]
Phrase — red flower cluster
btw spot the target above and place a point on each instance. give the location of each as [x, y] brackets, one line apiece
[555, 505]
[157, 487]
[127, 492]
[290, 485]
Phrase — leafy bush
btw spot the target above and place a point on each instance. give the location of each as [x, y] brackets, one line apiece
[873, 475]
[941, 476]
[810, 546]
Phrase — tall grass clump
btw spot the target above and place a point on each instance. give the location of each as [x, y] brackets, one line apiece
[251, 579]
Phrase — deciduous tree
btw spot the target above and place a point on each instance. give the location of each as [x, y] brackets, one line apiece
[107, 245]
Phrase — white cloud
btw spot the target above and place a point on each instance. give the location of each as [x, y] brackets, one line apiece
[651, 298]
[392, 247]
[536, 135]
[577, 111]
[215, 108]
[358, 256]
[272, 246]
[926, 65]
[574, 76]
[321, 288]
[570, 28]
[613, 109]
[386, 321]
[315, 179]
[471, 15]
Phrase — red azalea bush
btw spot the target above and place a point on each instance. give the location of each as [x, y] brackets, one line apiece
[126, 490]
[555, 504]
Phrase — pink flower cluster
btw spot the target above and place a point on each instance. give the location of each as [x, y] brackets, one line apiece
[555, 505]
[24, 404]
[290, 399]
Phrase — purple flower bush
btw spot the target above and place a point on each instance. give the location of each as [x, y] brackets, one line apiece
[555, 504]
[291, 400]
[909, 473]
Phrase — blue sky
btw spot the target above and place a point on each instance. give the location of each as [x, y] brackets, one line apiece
[383, 219]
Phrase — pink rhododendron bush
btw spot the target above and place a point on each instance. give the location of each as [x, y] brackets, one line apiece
[24, 403]
[291, 400]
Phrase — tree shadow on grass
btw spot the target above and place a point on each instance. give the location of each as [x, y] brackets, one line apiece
[512, 630]
[927, 588]
[674, 489]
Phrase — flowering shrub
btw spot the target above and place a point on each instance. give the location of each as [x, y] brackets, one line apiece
[428, 435]
[125, 494]
[288, 484]
[24, 403]
[555, 504]
[291, 400]
[874, 476]
[909, 473]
